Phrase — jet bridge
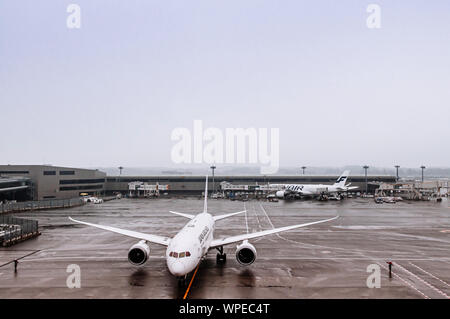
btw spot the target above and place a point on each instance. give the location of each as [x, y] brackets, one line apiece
[142, 189]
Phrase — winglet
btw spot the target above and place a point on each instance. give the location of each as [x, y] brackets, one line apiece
[205, 205]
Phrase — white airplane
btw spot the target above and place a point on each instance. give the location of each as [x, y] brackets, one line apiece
[295, 190]
[188, 247]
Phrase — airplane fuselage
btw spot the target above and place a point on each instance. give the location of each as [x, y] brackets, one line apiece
[310, 189]
[288, 190]
[314, 189]
[190, 245]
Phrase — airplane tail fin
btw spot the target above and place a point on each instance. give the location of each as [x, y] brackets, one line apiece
[205, 205]
[342, 179]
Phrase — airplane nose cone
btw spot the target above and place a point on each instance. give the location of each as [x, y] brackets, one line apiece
[177, 269]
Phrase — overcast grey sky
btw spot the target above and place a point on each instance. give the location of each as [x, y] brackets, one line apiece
[111, 92]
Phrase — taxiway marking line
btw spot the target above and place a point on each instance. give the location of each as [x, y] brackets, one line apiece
[278, 235]
[259, 223]
[422, 280]
[246, 220]
[257, 218]
[431, 275]
[190, 284]
[273, 227]
[409, 284]
[306, 245]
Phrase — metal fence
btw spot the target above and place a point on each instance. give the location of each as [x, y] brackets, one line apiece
[40, 204]
[14, 229]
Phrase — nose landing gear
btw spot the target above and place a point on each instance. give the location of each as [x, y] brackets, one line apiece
[182, 281]
[221, 258]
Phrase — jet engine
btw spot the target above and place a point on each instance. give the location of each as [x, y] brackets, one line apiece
[245, 253]
[280, 194]
[138, 253]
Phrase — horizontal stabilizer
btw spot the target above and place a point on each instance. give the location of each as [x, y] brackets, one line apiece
[219, 217]
[182, 214]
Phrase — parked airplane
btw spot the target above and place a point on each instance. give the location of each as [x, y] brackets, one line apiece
[298, 190]
[192, 243]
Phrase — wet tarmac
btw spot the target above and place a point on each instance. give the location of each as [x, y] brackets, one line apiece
[328, 260]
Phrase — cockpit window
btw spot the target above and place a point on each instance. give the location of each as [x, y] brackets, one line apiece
[179, 255]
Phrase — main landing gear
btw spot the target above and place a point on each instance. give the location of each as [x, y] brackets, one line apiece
[221, 258]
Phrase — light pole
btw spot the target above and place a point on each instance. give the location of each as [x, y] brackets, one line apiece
[120, 170]
[303, 169]
[397, 167]
[422, 167]
[214, 185]
[365, 170]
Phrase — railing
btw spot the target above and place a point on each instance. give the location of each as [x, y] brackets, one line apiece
[40, 204]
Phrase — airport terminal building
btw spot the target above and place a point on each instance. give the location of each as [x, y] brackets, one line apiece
[41, 182]
[38, 182]
[195, 185]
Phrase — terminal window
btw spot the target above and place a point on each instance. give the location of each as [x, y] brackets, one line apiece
[66, 172]
[83, 187]
[14, 172]
[49, 172]
[82, 181]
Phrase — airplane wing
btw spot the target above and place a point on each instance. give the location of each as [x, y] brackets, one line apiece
[219, 217]
[130, 233]
[234, 239]
[183, 214]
